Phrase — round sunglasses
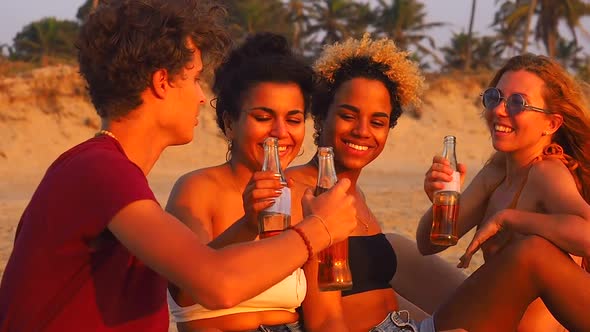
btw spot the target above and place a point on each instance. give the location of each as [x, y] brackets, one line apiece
[514, 104]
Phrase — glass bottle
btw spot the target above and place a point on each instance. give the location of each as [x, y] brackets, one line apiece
[277, 217]
[445, 208]
[333, 269]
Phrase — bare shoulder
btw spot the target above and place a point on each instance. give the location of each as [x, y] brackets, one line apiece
[549, 168]
[199, 180]
[551, 174]
[193, 190]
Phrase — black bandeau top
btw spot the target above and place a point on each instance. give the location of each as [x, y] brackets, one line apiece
[372, 263]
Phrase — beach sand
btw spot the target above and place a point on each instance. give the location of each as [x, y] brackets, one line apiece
[45, 112]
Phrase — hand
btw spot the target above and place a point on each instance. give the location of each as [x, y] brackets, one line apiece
[260, 193]
[488, 229]
[440, 172]
[335, 207]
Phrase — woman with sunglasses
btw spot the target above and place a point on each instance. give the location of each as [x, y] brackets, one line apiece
[529, 203]
[262, 90]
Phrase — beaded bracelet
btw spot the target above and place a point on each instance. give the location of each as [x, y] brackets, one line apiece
[323, 224]
[305, 240]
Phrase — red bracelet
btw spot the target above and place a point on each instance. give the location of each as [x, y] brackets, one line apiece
[305, 240]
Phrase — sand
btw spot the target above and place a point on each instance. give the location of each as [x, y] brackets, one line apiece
[45, 112]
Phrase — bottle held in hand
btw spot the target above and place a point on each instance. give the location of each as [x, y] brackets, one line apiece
[333, 269]
[445, 209]
[276, 218]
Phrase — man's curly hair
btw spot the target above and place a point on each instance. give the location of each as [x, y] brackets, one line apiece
[373, 59]
[124, 42]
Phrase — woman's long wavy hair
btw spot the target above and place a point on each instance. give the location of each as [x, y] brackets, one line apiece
[562, 95]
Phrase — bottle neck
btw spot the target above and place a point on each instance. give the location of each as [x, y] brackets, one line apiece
[272, 162]
[326, 171]
[449, 153]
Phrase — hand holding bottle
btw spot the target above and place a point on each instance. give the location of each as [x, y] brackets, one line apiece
[260, 193]
[446, 201]
[440, 172]
[334, 207]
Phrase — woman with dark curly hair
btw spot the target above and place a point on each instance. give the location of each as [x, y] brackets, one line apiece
[263, 90]
[93, 248]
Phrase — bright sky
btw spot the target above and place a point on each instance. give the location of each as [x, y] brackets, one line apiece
[15, 14]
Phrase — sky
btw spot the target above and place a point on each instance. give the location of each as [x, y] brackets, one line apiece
[15, 14]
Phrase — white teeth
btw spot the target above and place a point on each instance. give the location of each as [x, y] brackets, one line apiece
[503, 129]
[282, 148]
[357, 147]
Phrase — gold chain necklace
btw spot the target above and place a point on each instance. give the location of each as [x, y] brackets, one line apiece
[106, 132]
[366, 224]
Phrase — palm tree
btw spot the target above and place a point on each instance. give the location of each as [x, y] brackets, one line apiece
[527, 29]
[568, 53]
[46, 38]
[549, 14]
[335, 20]
[508, 32]
[470, 35]
[455, 54]
[404, 21]
[250, 16]
[298, 18]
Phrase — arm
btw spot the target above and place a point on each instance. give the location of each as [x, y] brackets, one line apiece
[566, 222]
[190, 207]
[473, 200]
[258, 195]
[191, 202]
[174, 251]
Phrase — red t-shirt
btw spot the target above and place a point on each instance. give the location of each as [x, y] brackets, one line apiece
[67, 272]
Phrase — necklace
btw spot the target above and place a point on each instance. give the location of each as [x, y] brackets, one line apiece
[365, 224]
[106, 132]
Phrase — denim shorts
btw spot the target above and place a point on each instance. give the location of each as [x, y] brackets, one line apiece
[291, 327]
[399, 321]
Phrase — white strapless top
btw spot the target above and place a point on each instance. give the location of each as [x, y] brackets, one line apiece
[287, 295]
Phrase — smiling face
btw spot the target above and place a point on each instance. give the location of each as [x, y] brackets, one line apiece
[524, 130]
[268, 109]
[357, 123]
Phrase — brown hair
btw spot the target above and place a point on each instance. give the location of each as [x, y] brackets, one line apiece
[562, 95]
[124, 42]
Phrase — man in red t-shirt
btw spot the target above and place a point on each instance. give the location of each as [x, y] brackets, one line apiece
[93, 247]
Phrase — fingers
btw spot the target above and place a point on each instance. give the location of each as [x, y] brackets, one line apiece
[464, 261]
[260, 192]
[342, 185]
[462, 168]
[472, 248]
[290, 182]
[440, 160]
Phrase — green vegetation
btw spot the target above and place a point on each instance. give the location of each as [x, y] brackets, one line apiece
[310, 24]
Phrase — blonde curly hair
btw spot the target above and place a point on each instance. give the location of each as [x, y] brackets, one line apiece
[398, 68]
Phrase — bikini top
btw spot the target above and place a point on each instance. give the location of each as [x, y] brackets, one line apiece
[287, 295]
[555, 151]
[372, 263]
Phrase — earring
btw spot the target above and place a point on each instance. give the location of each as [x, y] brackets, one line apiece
[545, 133]
[230, 144]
